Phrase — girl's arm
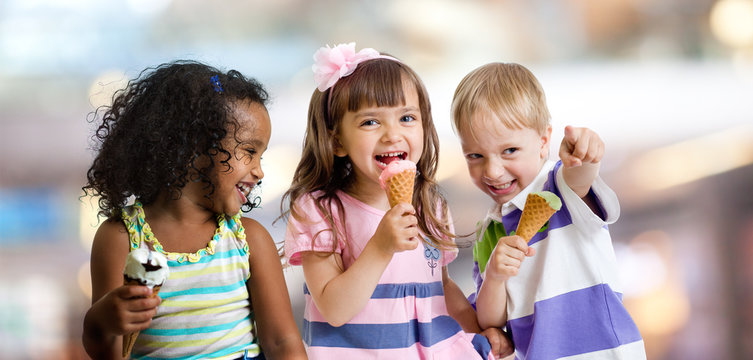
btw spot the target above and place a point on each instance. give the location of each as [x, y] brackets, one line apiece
[116, 309]
[278, 334]
[341, 294]
[457, 304]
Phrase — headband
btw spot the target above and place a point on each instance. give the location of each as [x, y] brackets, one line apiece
[332, 64]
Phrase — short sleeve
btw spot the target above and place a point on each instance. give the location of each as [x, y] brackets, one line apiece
[312, 233]
[583, 217]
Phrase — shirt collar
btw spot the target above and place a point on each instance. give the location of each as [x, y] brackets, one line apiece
[519, 201]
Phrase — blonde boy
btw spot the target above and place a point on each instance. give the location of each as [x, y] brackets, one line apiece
[558, 295]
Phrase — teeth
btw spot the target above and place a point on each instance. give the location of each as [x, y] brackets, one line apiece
[244, 189]
[399, 154]
[502, 187]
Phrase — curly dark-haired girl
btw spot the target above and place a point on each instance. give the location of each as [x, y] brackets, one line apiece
[185, 141]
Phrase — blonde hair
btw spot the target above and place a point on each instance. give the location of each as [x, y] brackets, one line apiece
[506, 90]
[376, 82]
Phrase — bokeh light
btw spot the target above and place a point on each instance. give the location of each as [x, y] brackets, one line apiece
[732, 22]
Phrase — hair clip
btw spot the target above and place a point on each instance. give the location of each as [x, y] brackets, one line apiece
[332, 64]
[216, 83]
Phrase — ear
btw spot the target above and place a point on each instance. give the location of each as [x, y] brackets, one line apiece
[337, 147]
[545, 139]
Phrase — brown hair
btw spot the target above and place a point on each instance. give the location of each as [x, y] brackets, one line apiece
[376, 82]
[509, 91]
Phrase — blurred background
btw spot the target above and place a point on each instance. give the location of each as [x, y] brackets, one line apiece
[668, 84]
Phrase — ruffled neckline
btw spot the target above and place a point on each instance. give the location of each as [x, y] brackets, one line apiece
[150, 238]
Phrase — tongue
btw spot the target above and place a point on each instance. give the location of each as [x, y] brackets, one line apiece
[388, 159]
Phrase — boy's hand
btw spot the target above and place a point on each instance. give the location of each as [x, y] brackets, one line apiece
[398, 230]
[130, 309]
[579, 146]
[501, 345]
[507, 257]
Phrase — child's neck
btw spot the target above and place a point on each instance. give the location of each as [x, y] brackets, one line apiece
[180, 225]
[371, 195]
[180, 210]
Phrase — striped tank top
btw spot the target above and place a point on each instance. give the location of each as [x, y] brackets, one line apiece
[205, 311]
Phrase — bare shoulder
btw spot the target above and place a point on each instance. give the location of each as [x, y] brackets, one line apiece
[256, 234]
[109, 250]
[111, 237]
[252, 225]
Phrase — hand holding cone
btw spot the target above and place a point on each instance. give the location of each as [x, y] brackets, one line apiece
[143, 267]
[397, 180]
[539, 207]
[130, 339]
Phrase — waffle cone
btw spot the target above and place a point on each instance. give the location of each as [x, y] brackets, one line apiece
[130, 339]
[535, 214]
[400, 187]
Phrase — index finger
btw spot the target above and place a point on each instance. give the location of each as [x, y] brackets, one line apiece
[404, 208]
[516, 241]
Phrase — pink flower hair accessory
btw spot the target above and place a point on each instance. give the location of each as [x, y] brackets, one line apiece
[332, 64]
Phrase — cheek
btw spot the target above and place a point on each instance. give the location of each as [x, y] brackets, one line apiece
[476, 173]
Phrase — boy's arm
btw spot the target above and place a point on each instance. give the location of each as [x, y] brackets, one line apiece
[278, 333]
[491, 304]
[461, 310]
[504, 262]
[457, 304]
[581, 152]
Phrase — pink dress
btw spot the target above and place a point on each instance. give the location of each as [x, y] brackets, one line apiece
[406, 317]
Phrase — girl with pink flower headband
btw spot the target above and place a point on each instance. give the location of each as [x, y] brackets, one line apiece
[373, 288]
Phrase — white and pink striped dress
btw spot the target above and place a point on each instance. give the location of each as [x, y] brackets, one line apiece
[406, 317]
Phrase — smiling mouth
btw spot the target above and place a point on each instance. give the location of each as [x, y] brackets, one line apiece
[385, 159]
[504, 186]
[244, 188]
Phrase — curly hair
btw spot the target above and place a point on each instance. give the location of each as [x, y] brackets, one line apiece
[164, 130]
[378, 82]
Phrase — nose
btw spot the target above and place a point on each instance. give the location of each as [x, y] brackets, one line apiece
[391, 133]
[258, 172]
[493, 169]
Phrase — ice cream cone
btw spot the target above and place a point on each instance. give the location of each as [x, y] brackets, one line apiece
[400, 187]
[130, 339]
[143, 267]
[539, 207]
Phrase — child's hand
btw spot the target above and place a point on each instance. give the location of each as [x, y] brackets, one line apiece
[579, 146]
[501, 345]
[398, 230]
[130, 309]
[507, 257]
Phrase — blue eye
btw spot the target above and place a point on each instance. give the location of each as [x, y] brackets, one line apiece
[509, 151]
[473, 156]
[407, 118]
[369, 122]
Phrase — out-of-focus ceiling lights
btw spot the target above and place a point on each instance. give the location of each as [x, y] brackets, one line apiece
[732, 23]
[694, 159]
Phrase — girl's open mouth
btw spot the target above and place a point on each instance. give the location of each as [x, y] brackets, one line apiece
[246, 189]
[385, 159]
